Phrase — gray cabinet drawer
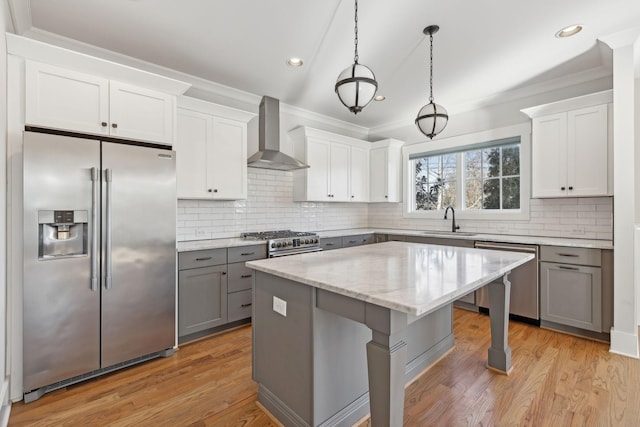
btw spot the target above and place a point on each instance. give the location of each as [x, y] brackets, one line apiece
[441, 241]
[205, 258]
[247, 253]
[239, 277]
[565, 255]
[328, 243]
[239, 305]
[357, 240]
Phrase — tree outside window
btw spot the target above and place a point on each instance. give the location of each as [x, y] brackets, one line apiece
[490, 177]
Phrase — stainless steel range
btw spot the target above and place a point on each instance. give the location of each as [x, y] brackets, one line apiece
[286, 242]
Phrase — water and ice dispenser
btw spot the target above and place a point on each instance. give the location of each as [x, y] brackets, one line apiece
[62, 234]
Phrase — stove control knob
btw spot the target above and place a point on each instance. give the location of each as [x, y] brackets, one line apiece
[278, 244]
[290, 243]
[306, 240]
[315, 240]
[273, 245]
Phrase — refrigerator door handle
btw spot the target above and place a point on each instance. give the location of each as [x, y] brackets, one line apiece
[107, 255]
[95, 181]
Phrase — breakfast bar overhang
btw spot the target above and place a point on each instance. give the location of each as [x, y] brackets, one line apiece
[332, 330]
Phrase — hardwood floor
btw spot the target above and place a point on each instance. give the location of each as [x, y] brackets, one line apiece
[557, 380]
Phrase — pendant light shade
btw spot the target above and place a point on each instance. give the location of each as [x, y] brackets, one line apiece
[356, 85]
[432, 118]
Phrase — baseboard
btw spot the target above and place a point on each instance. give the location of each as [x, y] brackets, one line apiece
[624, 343]
[5, 411]
[418, 365]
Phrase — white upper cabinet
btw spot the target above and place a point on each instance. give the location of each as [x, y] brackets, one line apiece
[359, 174]
[571, 149]
[386, 171]
[338, 167]
[211, 160]
[63, 99]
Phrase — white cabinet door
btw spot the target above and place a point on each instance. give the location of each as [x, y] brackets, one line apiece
[570, 153]
[227, 160]
[549, 156]
[379, 173]
[194, 132]
[61, 99]
[359, 175]
[318, 186]
[587, 151]
[139, 113]
[339, 173]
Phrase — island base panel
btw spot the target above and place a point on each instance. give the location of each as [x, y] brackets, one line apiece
[326, 384]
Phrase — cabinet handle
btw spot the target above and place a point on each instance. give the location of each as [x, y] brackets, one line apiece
[246, 276]
[246, 305]
[329, 244]
[247, 253]
[353, 241]
[203, 259]
[569, 255]
[567, 268]
[212, 190]
[562, 188]
[570, 188]
[224, 273]
[114, 125]
[103, 124]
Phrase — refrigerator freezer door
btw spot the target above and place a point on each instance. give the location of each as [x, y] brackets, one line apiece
[61, 311]
[138, 300]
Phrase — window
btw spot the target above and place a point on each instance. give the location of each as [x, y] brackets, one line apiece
[487, 179]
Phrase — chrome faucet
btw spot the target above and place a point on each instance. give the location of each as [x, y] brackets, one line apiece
[454, 227]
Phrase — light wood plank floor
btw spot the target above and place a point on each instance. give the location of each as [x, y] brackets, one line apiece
[557, 380]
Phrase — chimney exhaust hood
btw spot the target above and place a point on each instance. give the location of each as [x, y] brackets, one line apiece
[269, 155]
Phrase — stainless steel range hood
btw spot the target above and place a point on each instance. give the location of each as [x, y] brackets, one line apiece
[269, 155]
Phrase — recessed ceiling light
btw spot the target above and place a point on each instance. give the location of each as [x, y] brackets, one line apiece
[569, 31]
[295, 62]
[379, 98]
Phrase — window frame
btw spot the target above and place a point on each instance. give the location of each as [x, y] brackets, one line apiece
[467, 142]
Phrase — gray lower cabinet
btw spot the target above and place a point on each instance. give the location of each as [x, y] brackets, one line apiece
[214, 288]
[358, 240]
[202, 298]
[329, 243]
[576, 288]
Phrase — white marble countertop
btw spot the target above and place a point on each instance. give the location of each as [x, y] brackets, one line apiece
[409, 277]
[195, 245]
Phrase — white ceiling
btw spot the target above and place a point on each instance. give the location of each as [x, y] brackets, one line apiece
[483, 51]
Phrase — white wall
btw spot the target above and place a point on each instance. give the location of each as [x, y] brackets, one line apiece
[5, 25]
[269, 206]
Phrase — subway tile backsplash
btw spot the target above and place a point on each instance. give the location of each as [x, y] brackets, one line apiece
[269, 206]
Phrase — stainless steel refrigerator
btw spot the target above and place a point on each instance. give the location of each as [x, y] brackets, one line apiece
[99, 258]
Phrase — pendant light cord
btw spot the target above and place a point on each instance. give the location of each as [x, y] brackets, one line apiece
[355, 56]
[431, 67]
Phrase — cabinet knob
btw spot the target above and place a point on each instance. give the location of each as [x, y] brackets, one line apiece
[224, 273]
[570, 188]
[210, 190]
[103, 124]
[114, 125]
[562, 188]
[352, 196]
[215, 190]
[386, 197]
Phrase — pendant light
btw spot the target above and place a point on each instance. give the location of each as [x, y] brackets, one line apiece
[432, 118]
[356, 85]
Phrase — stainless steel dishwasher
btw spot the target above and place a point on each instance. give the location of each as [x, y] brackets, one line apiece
[524, 302]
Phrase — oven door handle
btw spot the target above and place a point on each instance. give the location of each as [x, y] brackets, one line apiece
[293, 252]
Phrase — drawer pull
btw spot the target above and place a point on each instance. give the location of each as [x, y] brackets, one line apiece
[247, 253]
[567, 255]
[246, 305]
[246, 276]
[224, 273]
[353, 241]
[329, 244]
[567, 268]
[203, 259]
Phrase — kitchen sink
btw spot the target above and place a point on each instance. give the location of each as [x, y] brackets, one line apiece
[450, 233]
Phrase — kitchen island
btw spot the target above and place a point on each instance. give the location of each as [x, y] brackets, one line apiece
[334, 330]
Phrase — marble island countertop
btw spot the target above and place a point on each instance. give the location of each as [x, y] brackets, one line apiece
[408, 277]
[194, 245]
